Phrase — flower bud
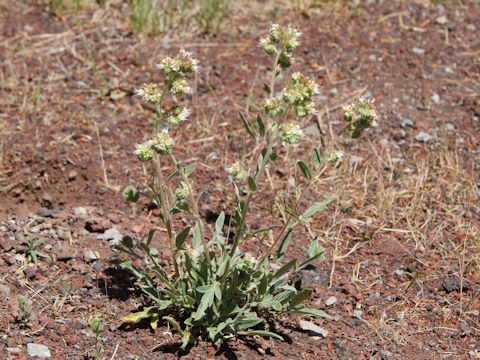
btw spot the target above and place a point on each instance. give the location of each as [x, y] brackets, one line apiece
[144, 151]
[177, 115]
[163, 143]
[333, 158]
[290, 133]
[150, 92]
[360, 116]
[237, 171]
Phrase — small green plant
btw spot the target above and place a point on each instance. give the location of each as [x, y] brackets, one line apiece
[211, 15]
[213, 289]
[25, 309]
[31, 252]
[97, 328]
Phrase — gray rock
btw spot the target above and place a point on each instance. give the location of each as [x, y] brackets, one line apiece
[313, 329]
[72, 175]
[90, 256]
[331, 300]
[375, 296]
[13, 350]
[418, 51]
[358, 313]
[38, 350]
[406, 123]
[423, 137]
[111, 234]
[436, 98]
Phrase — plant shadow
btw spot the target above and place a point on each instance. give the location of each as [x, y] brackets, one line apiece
[118, 284]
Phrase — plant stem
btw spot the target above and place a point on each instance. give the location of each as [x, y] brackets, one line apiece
[193, 201]
[266, 138]
[166, 212]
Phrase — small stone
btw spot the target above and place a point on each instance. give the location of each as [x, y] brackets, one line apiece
[111, 234]
[406, 123]
[66, 253]
[90, 256]
[30, 271]
[97, 225]
[375, 296]
[7, 244]
[331, 300]
[4, 291]
[72, 175]
[442, 20]
[47, 200]
[423, 137]
[13, 350]
[436, 98]
[399, 272]
[80, 211]
[418, 51]
[450, 126]
[48, 213]
[358, 313]
[454, 283]
[38, 351]
[313, 329]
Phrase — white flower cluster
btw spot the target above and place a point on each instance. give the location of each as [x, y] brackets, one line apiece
[175, 70]
[360, 116]
[177, 115]
[281, 42]
[162, 145]
[237, 171]
[290, 133]
[150, 92]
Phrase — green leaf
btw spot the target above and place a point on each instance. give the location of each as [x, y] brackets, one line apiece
[150, 236]
[131, 194]
[262, 333]
[247, 125]
[261, 125]
[219, 223]
[173, 323]
[300, 297]
[248, 323]
[205, 303]
[267, 89]
[305, 169]
[197, 237]
[127, 241]
[317, 207]
[181, 237]
[190, 169]
[309, 311]
[285, 268]
[251, 184]
[317, 159]
[217, 291]
[284, 244]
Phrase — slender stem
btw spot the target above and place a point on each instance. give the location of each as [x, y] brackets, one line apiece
[166, 212]
[290, 217]
[266, 138]
[193, 201]
[240, 231]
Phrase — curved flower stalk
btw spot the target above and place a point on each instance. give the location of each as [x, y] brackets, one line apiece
[216, 289]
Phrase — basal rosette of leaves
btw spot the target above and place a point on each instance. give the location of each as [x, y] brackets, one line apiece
[215, 289]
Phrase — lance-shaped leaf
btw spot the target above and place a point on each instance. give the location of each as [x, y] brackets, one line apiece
[317, 207]
[284, 244]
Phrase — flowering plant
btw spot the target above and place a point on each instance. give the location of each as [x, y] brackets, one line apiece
[214, 289]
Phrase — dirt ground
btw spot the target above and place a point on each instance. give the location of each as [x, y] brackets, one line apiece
[401, 276]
